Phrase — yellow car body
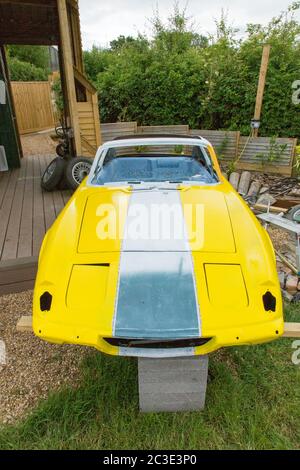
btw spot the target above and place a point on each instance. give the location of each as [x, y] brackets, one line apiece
[79, 281]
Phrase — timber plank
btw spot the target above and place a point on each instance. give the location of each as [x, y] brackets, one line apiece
[48, 204]
[58, 202]
[6, 208]
[38, 210]
[16, 287]
[26, 228]
[66, 195]
[17, 275]
[4, 182]
[10, 247]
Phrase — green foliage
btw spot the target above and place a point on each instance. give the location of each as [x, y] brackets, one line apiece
[27, 63]
[180, 76]
[178, 149]
[140, 148]
[59, 101]
[221, 149]
[96, 61]
[274, 152]
[120, 42]
[35, 55]
[297, 160]
[23, 71]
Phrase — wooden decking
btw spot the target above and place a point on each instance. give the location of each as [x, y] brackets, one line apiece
[26, 213]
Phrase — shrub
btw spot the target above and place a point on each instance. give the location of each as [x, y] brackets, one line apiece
[23, 71]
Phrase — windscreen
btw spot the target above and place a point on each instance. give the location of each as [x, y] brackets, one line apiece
[171, 164]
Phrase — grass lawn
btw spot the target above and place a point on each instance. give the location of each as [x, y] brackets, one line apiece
[253, 402]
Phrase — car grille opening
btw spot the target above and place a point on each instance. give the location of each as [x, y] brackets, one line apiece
[156, 343]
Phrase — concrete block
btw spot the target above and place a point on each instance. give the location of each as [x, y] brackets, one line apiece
[254, 189]
[234, 179]
[244, 183]
[172, 384]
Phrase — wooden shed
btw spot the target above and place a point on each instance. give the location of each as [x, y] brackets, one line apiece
[56, 22]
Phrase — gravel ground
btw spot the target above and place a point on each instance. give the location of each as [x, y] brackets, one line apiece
[36, 144]
[33, 368]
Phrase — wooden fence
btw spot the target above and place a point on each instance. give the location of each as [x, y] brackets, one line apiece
[117, 129]
[262, 153]
[225, 143]
[150, 130]
[33, 105]
[251, 153]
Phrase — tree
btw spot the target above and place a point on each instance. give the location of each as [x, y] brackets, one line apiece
[182, 77]
[120, 42]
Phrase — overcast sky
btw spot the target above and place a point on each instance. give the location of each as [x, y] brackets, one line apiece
[104, 20]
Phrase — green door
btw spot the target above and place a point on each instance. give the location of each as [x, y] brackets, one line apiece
[8, 136]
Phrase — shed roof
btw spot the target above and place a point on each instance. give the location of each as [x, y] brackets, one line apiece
[32, 22]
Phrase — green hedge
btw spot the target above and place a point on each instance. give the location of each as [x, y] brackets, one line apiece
[181, 77]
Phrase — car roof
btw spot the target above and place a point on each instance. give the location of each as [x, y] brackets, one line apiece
[155, 136]
[158, 139]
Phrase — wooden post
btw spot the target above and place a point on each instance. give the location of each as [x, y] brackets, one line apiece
[76, 36]
[261, 84]
[67, 58]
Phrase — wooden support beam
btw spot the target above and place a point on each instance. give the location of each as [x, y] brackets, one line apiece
[30, 23]
[261, 84]
[84, 81]
[73, 13]
[31, 3]
[291, 330]
[73, 4]
[96, 119]
[90, 148]
[67, 59]
[264, 208]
